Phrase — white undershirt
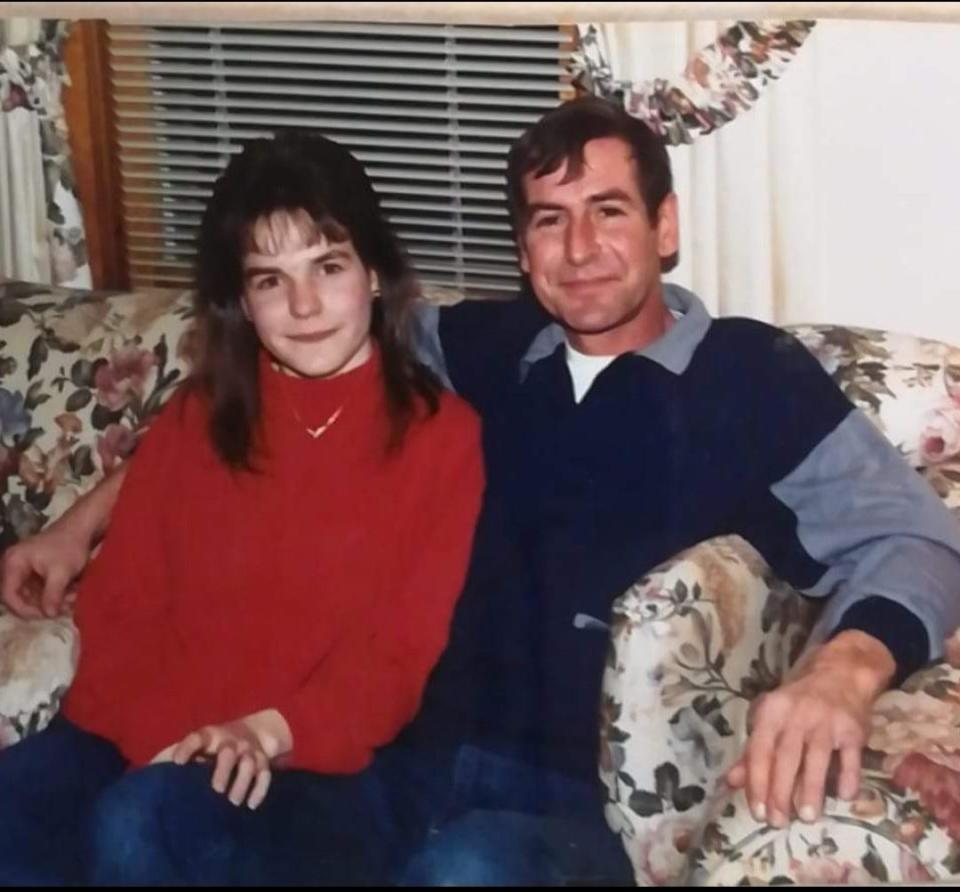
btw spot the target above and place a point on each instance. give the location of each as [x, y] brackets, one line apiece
[585, 368]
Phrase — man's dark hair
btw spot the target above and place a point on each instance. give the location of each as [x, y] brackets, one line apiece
[560, 136]
[297, 173]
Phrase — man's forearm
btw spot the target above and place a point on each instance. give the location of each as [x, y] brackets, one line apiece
[88, 518]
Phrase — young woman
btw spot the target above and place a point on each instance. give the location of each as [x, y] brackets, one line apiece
[281, 568]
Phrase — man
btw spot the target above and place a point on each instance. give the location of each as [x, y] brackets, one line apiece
[622, 424]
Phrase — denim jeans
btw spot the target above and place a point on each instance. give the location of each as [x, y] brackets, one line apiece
[509, 823]
[48, 783]
[71, 811]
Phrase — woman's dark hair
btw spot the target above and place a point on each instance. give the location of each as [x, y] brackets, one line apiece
[560, 136]
[296, 173]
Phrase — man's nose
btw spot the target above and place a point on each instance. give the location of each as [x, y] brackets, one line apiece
[581, 240]
[305, 300]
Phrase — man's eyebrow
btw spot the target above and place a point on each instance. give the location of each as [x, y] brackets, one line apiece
[332, 254]
[610, 195]
[535, 206]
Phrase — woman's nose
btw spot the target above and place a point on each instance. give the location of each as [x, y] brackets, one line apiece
[304, 300]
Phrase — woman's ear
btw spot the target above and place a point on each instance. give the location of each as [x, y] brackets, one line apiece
[374, 283]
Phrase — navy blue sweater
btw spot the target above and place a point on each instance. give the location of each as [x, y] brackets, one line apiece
[723, 426]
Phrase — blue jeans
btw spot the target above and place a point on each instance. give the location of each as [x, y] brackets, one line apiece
[508, 823]
[48, 783]
[71, 812]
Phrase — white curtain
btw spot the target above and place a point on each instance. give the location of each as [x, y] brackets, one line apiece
[41, 226]
[835, 197]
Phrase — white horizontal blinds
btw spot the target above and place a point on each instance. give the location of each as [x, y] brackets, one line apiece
[429, 109]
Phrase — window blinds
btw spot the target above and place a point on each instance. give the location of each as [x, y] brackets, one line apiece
[430, 109]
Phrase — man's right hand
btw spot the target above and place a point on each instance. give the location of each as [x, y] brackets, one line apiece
[37, 574]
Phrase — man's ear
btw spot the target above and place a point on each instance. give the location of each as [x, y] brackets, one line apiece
[668, 227]
[522, 256]
[374, 283]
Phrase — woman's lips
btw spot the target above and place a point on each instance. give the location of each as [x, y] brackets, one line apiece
[311, 338]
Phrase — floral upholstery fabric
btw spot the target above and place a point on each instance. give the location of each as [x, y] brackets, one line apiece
[697, 639]
[81, 374]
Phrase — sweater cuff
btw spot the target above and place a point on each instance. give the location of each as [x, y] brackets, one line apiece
[895, 626]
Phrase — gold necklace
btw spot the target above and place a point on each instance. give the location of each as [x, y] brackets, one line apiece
[317, 432]
[314, 432]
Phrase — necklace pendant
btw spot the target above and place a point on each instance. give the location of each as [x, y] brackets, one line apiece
[317, 432]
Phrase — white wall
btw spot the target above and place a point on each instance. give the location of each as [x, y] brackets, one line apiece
[837, 197]
[886, 150]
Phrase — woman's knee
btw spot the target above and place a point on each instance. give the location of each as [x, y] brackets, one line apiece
[153, 826]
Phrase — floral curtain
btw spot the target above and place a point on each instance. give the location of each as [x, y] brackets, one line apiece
[719, 82]
[41, 227]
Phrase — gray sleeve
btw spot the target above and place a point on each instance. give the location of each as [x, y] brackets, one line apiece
[878, 527]
[425, 338]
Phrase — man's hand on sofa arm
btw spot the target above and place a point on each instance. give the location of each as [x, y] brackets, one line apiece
[36, 575]
[822, 707]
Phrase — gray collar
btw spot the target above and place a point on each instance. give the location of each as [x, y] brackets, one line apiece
[673, 351]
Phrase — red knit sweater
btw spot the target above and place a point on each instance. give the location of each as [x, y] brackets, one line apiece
[322, 587]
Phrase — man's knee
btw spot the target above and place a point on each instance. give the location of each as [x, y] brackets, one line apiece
[483, 848]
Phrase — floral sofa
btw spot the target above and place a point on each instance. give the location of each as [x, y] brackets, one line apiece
[692, 642]
[698, 638]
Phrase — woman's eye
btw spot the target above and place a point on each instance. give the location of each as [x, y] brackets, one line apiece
[328, 267]
[265, 283]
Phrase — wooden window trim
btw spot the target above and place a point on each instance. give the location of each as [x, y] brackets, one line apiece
[89, 108]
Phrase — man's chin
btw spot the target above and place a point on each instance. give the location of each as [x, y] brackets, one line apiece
[588, 324]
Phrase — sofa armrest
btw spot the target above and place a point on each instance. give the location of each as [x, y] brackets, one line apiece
[690, 648]
[38, 659]
[903, 826]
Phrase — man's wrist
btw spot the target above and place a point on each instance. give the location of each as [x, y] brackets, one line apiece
[859, 660]
[896, 626]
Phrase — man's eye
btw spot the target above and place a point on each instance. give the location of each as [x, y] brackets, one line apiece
[546, 220]
[265, 283]
[611, 210]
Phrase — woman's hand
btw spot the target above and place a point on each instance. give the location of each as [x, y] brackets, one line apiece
[242, 749]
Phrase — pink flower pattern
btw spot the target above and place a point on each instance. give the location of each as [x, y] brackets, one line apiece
[124, 377]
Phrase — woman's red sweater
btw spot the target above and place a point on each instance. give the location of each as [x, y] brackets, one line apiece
[322, 586]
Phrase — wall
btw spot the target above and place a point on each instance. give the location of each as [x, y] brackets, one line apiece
[852, 160]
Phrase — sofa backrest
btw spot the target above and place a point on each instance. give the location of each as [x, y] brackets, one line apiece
[908, 386]
[81, 373]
